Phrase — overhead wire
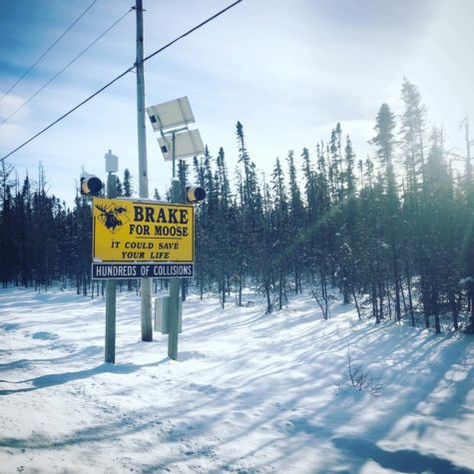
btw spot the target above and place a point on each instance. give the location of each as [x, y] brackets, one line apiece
[47, 83]
[219, 13]
[47, 50]
[115, 79]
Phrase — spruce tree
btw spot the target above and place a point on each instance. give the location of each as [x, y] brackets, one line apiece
[384, 142]
[127, 183]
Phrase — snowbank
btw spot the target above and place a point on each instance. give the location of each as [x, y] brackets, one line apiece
[250, 392]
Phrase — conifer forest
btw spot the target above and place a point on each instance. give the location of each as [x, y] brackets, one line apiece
[393, 232]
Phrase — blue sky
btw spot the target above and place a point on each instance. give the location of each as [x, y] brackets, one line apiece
[288, 70]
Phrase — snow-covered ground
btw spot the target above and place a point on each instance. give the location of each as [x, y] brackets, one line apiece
[250, 392]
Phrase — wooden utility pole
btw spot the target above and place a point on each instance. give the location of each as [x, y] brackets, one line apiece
[146, 322]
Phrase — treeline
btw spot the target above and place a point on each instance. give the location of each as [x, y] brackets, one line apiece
[42, 241]
[394, 231]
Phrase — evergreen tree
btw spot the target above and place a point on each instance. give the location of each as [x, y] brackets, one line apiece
[296, 220]
[385, 142]
[127, 183]
[119, 187]
[280, 222]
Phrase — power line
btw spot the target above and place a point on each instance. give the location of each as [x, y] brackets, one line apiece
[69, 112]
[64, 68]
[131, 68]
[192, 30]
[48, 50]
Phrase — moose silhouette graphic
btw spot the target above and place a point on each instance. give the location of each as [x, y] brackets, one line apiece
[111, 216]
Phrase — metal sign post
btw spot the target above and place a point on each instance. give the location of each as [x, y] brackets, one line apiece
[173, 147]
[174, 306]
[172, 118]
[111, 292]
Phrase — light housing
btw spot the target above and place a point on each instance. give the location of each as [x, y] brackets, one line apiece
[90, 185]
[195, 194]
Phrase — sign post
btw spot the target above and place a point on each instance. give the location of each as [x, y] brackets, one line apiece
[174, 306]
[172, 118]
[111, 292]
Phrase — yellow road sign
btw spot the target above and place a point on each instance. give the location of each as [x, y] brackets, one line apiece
[142, 231]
